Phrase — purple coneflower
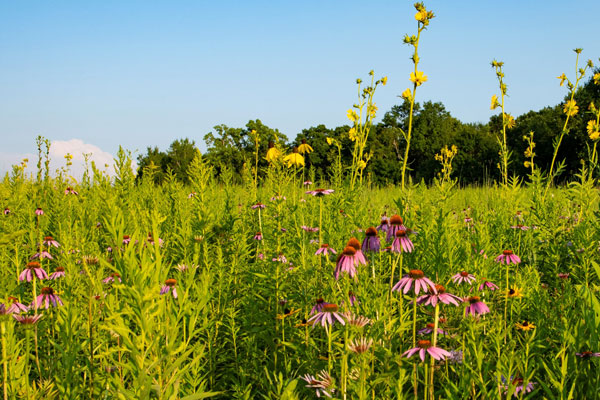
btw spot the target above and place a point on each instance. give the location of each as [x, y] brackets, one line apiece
[429, 328]
[48, 296]
[320, 192]
[39, 211]
[42, 255]
[169, 286]
[507, 257]
[476, 306]
[59, 272]
[112, 277]
[371, 241]
[463, 276]
[126, 239]
[518, 383]
[258, 205]
[322, 385]
[193, 194]
[488, 284]
[318, 307]
[360, 256]
[49, 241]
[280, 258]
[587, 354]
[356, 320]
[15, 306]
[352, 298]
[418, 277]
[33, 268]
[6, 211]
[402, 243]
[150, 239]
[346, 262]
[327, 316]
[258, 236]
[309, 229]
[563, 275]
[70, 190]
[520, 226]
[307, 183]
[27, 320]
[325, 250]
[384, 225]
[439, 295]
[424, 346]
[395, 223]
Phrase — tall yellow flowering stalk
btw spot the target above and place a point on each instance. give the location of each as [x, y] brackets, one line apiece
[508, 121]
[416, 77]
[570, 109]
[529, 153]
[362, 115]
[445, 157]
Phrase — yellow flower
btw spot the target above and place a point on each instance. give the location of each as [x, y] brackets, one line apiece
[384, 80]
[331, 141]
[294, 159]
[527, 164]
[570, 108]
[372, 110]
[421, 16]
[593, 130]
[510, 121]
[352, 116]
[562, 78]
[362, 164]
[304, 147]
[352, 134]
[597, 78]
[525, 326]
[287, 313]
[419, 78]
[272, 154]
[407, 94]
[514, 293]
[495, 103]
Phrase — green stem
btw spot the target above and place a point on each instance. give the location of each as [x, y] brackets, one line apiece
[4, 359]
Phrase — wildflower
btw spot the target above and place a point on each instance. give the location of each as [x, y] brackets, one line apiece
[320, 192]
[418, 277]
[456, 357]
[48, 296]
[6, 211]
[597, 78]
[360, 256]
[39, 211]
[294, 159]
[286, 313]
[42, 255]
[562, 78]
[27, 320]
[402, 243]
[355, 320]
[112, 277]
[488, 284]
[525, 326]
[593, 130]
[521, 227]
[169, 286]
[346, 262]
[33, 267]
[258, 236]
[280, 258]
[507, 257]
[384, 225]
[318, 307]
[371, 241]
[463, 277]
[70, 190]
[570, 108]
[514, 293]
[439, 295]
[16, 307]
[325, 250]
[563, 275]
[407, 95]
[424, 346]
[258, 205]
[150, 240]
[518, 383]
[476, 306]
[304, 147]
[418, 79]
[395, 224]
[429, 328]
[322, 385]
[352, 115]
[587, 354]
[59, 272]
[272, 153]
[126, 239]
[328, 315]
[49, 241]
[360, 346]
[495, 103]
[307, 183]
[309, 229]
[352, 298]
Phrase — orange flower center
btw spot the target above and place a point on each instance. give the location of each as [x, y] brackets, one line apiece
[125, 237]
[431, 325]
[396, 220]
[401, 233]
[464, 274]
[349, 251]
[353, 242]
[371, 231]
[507, 252]
[416, 273]
[33, 265]
[170, 282]
[424, 344]
[325, 245]
[47, 290]
[48, 238]
[474, 299]
[330, 307]
[60, 269]
[440, 289]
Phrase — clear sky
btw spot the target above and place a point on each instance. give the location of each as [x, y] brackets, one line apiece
[143, 73]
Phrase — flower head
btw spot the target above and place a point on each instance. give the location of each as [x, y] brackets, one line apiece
[39, 211]
[323, 384]
[440, 295]
[570, 108]
[346, 262]
[320, 192]
[525, 326]
[48, 297]
[371, 241]
[325, 250]
[32, 269]
[360, 346]
[463, 277]
[507, 257]
[476, 306]
[360, 256]
[70, 190]
[327, 316]
[272, 153]
[49, 241]
[27, 320]
[294, 159]
[169, 286]
[304, 147]
[112, 277]
[417, 277]
[587, 354]
[402, 243]
[395, 223]
[489, 285]
[16, 306]
[59, 272]
[514, 293]
[419, 78]
[423, 347]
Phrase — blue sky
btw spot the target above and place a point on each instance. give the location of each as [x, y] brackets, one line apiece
[143, 73]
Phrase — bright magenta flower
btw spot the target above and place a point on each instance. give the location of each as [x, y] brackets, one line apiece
[420, 280]
[424, 346]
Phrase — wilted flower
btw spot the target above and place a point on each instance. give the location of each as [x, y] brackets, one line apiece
[59, 272]
[507, 257]
[48, 296]
[463, 276]
[328, 315]
[476, 306]
[360, 346]
[27, 320]
[424, 346]
[322, 385]
[418, 277]
[325, 250]
[355, 320]
[169, 286]
[33, 268]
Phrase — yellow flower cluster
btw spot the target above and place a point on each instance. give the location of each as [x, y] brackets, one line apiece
[423, 16]
[570, 108]
[593, 130]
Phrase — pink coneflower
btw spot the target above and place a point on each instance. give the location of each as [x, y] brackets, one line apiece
[463, 277]
[476, 306]
[346, 262]
[258, 205]
[193, 194]
[518, 383]
[42, 255]
[70, 190]
[33, 268]
[371, 241]
[488, 284]
[521, 227]
[15, 306]
[587, 354]
[39, 211]
[27, 320]
[48, 296]
[309, 229]
[112, 277]
[360, 256]
[507, 257]
[59, 272]
[384, 225]
[418, 277]
[424, 346]
[49, 241]
[258, 236]
[150, 239]
[169, 286]
[429, 328]
[280, 258]
[6, 211]
[327, 316]
[318, 307]
[307, 183]
[402, 243]
[325, 250]
[278, 197]
[126, 239]
[563, 275]
[439, 295]
[352, 298]
[320, 192]
[395, 223]
[322, 385]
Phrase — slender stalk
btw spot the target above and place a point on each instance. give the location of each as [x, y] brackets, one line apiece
[414, 344]
[434, 343]
[4, 359]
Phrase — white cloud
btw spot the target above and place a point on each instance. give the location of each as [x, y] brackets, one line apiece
[58, 150]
